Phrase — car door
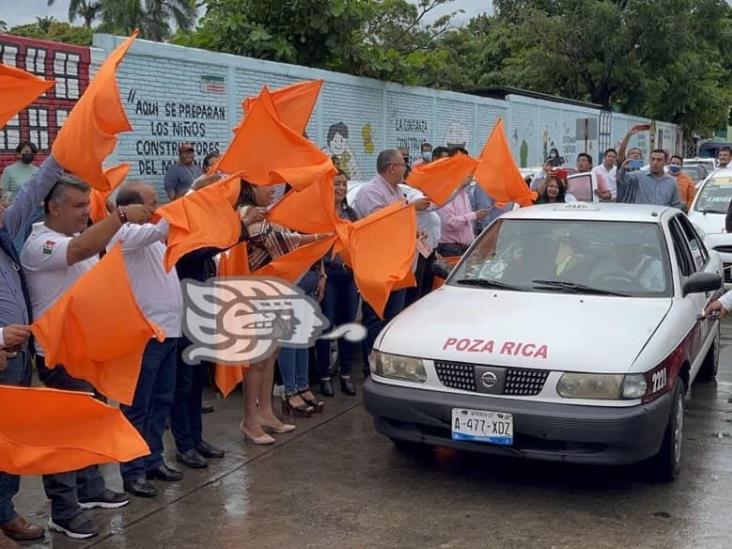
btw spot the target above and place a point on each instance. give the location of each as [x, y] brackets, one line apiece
[583, 186]
[695, 259]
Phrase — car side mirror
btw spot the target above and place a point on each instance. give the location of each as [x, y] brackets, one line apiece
[699, 283]
[440, 270]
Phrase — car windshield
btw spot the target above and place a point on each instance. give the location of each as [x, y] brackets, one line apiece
[584, 257]
[695, 172]
[715, 196]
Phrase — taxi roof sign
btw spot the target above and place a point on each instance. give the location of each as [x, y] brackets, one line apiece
[577, 206]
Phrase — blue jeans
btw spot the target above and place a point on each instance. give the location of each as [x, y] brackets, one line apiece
[151, 405]
[17, 373]
[340, 306]
[293, 362]
[374, 324]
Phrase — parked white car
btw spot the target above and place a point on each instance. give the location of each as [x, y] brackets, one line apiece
[567, 332]
[708, 212]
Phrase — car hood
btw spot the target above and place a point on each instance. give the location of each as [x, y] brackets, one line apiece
[711, 223]
[548, 331]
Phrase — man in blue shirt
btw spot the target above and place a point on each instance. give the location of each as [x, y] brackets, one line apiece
[651, 187]
[15, 318]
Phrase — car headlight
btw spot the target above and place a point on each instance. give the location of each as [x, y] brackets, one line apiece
[398, 367]
[634, 386]
[590, 386]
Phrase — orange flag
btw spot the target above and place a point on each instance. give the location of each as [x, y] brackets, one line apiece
[233, 262]
[205, 218]
[439, 179]
[98, 199]
[89, 135]
[104, 332]
[268, 152]
[382, 247]
[294, 104]
[46, 431]
[317, 200]
[497, 172]
[294, 264]
[18, 89]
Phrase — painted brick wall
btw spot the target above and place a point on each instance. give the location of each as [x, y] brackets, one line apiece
[174, 94]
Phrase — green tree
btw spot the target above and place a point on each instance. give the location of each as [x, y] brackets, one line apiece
[154, 18]
[57, 31]
[378, 38]
[659, 58]
[88, 11]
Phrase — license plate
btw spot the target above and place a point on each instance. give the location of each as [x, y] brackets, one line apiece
[482, 426]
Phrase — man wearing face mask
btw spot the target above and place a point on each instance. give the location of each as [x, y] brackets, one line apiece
[425, 155]
[19, 173]
[687, 190]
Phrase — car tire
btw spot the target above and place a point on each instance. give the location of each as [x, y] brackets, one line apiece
[710, 366]
[666, 464]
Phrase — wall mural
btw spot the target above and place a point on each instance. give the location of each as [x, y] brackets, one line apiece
[339, 147]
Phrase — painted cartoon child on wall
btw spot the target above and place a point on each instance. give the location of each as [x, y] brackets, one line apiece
[339, 146]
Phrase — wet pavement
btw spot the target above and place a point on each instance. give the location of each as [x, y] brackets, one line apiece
[335, 483]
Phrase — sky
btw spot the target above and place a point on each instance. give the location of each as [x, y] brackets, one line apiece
[12, 15]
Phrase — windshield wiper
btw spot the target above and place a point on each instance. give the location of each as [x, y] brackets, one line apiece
[486, 283]
[575, 287]
[706, 211]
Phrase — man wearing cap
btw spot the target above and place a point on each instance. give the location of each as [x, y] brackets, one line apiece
[180, 176]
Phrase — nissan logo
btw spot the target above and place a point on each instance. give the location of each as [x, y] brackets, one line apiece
[488, 379]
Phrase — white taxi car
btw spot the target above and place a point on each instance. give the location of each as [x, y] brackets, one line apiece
[708, 211]
[566, 332]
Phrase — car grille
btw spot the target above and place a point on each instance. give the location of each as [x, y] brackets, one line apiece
[727, 272]
[519, 381]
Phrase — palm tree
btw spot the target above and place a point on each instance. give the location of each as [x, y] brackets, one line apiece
[85, 9]
[152, 17]
[159, 14]
[44, 23]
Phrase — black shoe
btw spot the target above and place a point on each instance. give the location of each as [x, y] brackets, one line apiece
[207, 408]
[78, 527]
[192, 459]
[326, 388]
[347, 387]
[209, 451]
[106, 500]
[163, 472]
[140, 488]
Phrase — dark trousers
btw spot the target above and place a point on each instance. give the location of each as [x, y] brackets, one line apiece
[340, 306]
[17, 373]
[185, 414]
[151, 406]
[425, 278]
[66, 489]
[374, 324]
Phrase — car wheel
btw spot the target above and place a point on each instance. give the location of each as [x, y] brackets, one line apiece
[708, 368]
[667, 462]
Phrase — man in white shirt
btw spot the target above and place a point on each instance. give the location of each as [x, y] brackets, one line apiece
[608, 171]
[159, 296]
[429, 224]
[57, 253]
